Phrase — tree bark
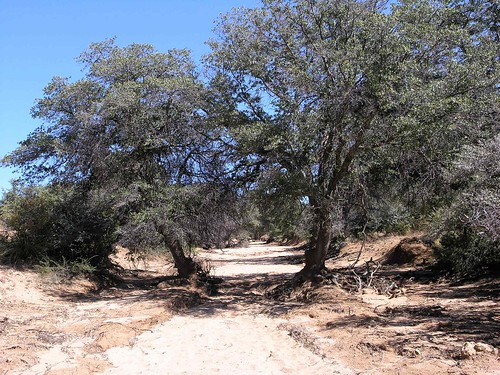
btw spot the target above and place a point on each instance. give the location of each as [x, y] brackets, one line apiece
[186, 266]
[315, 256]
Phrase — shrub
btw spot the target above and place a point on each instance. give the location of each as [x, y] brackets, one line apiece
[57, 225]
[471, 225]
[468, 253]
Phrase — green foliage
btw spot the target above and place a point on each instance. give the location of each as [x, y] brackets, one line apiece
[279, 211]
[134, 135]
[195, 215]
[471, 224]
[335, 95]
[27, 211]
[324, 117]
[468, 253]
[132, 117]
[65, 269]
[57, 225]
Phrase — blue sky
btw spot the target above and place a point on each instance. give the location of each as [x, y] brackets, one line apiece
[41, 38]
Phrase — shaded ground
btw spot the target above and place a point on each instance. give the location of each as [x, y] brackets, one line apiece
[152, 325]
[420, 330]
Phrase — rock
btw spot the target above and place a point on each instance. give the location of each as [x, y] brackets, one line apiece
[470, 349]
[485, 348]
[410, 352]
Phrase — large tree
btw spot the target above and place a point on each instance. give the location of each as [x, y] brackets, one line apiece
[135, 127]
[318, 86]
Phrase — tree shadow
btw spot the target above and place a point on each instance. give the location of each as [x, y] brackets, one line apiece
[430, 322]
[243, 292]
[486, 290]
[275, 260]
[246, 293]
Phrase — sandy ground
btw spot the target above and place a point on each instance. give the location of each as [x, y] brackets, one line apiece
[51, 326]
[230, 334]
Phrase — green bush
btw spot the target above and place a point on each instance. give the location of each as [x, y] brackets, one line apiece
[54, 225]
[468, 253]
[471, 224]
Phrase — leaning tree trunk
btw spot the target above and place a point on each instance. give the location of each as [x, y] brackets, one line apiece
[186, 266]
[315, 256]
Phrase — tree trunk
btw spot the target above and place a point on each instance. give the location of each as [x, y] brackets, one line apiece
[315, 256]
[185, 265]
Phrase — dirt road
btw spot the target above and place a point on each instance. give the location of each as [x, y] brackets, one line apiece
[145, 325]
[133, 332]
[231, 334]
[224, 343]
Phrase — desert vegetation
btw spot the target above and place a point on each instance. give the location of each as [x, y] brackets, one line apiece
[316, 123]
[312, 121]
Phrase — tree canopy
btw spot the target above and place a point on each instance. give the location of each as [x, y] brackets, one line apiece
[314, 114]
[325, 85]
[135, 127]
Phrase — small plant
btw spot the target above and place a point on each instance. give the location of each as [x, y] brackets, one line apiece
[64, 269]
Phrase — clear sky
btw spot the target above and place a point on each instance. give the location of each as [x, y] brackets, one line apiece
[40, 39]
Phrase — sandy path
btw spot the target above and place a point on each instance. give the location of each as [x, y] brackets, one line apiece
[48, 331]
[228, 335]
[51, 327]
[220, 344]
